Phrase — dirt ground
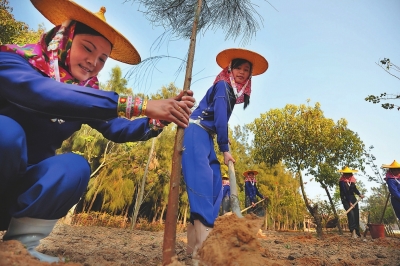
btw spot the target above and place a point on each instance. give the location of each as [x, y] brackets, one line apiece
[234, 241]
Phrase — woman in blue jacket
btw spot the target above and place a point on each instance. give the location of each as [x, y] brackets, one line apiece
[226, 194]
[392, 179]
[200, 166]
[47, 91]
[348, 190]
[251, 189]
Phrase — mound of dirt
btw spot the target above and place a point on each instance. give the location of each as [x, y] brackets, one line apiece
[233, 242]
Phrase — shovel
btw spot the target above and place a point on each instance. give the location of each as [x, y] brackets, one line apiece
[234, 199]
[334, 222]
[229, 213]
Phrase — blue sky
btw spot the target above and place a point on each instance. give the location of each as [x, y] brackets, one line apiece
[325, 51]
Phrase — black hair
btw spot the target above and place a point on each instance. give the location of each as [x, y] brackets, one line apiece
[81, 28]
[236, 63]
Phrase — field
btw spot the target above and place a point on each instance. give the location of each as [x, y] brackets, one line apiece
[234, 241]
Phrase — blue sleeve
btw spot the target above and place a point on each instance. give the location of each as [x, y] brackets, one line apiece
[394, 187]
[22, 85]
[122, 130]
[221, 117]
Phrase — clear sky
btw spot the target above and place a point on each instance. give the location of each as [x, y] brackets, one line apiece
[321, 50]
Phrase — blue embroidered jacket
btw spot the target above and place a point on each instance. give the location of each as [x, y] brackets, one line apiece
[32, 100]
[214, 111]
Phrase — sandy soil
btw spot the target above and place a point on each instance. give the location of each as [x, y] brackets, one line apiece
[234, 241]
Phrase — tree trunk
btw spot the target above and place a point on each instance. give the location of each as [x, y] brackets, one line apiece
[266, 221]
[94, 197]
[333, 208]
[185, 214]
[155, 212]
[173, 197]
[162, 213]
[313, 210]
[140, 194]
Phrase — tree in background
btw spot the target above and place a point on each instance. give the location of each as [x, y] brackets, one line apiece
[389, 67]
[13, 31]
[305, 141]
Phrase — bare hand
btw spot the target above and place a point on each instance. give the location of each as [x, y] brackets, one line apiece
[228, 157]
[253, 204]
[176, 110]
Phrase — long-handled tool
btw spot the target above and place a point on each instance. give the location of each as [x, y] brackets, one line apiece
[383, 214]
[245, 209]
[252, 205]
[334, 222]
[235, 206]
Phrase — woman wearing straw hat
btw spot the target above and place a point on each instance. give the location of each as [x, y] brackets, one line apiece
[251, 189]
[226, 194]
[393, 181]
[47, 91]
[201, 168]
[347, 186]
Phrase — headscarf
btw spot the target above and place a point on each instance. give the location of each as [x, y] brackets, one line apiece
[251, 179]
[389, 174]
[225, 182]
[51, 55]
[239, 88]
[351, 179]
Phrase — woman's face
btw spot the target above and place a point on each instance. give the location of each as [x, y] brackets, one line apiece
[241, 73]
[88, 55]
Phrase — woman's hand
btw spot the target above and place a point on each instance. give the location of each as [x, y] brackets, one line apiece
[176, 110]
[228, 157]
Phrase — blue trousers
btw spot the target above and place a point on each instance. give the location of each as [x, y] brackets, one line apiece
[202, 175]
[46, 190]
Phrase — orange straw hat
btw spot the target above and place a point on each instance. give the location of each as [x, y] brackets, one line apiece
[260, 64]
[393, 165]
[249, 171]
[62, 10]
[347, 170]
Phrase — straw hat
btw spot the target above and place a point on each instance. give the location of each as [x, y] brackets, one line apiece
[61, 10]
[260, 64]
[225, 176]
[249, 171]
[347, 170]
[393, 165]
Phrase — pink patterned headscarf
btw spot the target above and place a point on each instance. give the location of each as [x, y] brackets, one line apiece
[51, 55]
[241, 88]
[389, 174]
[351, 179]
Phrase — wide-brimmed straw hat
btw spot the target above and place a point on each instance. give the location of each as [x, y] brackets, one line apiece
[260, 64]
[393, 165]
[58, 11]
[249, 171]
[347, 170]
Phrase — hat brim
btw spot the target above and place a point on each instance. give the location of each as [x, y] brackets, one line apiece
[347, 171]
[61, 10]
[249, 171]
[393, 165]
[260, 64]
